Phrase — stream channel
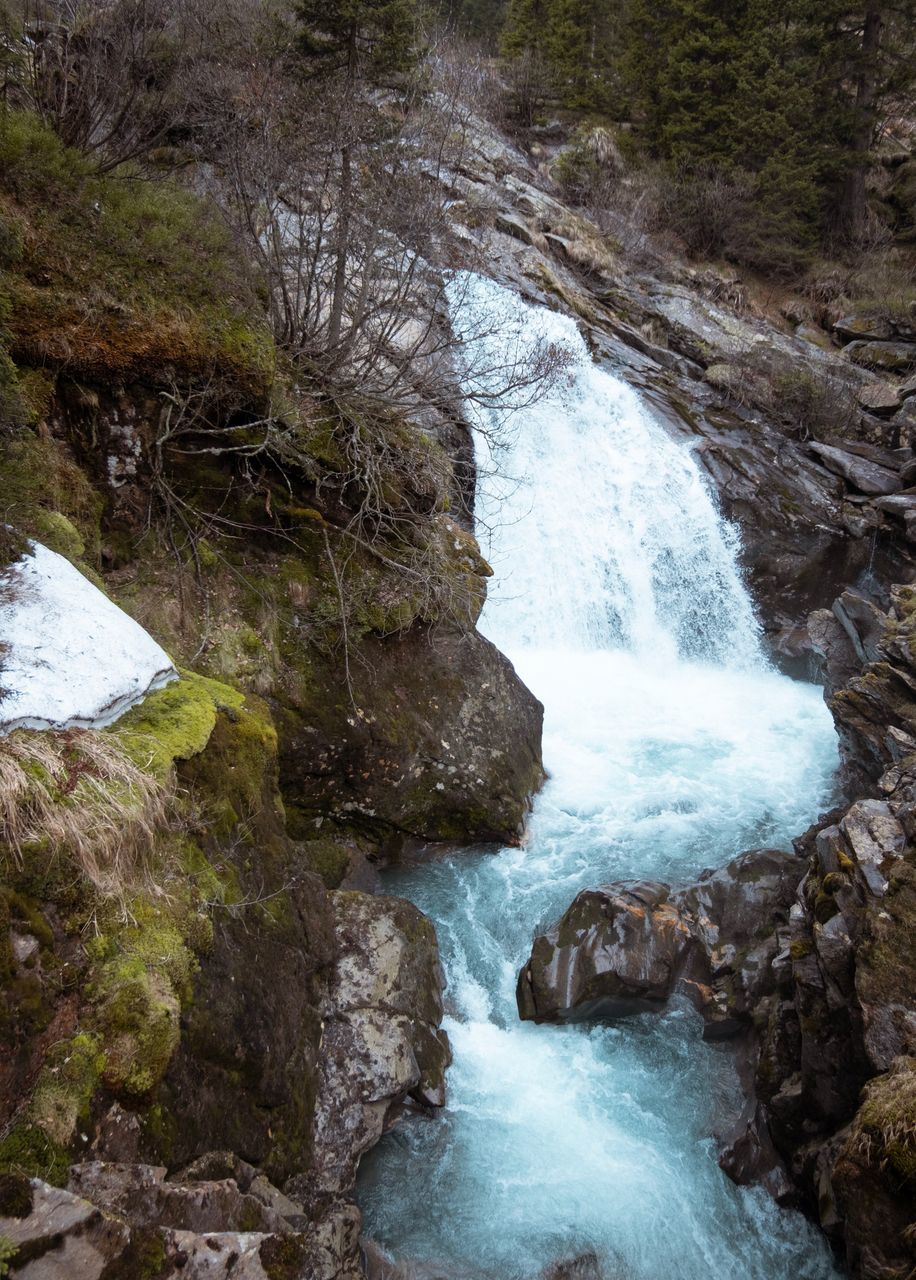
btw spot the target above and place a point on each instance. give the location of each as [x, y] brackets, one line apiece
[671, 745]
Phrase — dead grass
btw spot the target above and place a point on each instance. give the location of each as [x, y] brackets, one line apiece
[76, 795]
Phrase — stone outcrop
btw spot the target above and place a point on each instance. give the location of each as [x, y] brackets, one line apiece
[128, 1220]
[630, 946]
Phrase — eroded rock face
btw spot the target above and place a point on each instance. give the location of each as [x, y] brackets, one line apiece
[381, 1046]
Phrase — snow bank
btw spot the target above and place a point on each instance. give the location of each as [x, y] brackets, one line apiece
[69, 657]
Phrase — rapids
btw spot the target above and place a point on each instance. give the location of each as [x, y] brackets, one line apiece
[671, 746]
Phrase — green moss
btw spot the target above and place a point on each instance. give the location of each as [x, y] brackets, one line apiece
[239, 766]
[27, 1149]
[65, 1087]
[799, 948]
[15, 1196]
[135, 1015]
[329, 859]
[175, 723]
[284, 1257]
[145, 1258]
[47, 497]
[59, 534]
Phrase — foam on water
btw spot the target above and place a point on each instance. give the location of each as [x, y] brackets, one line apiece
[671, 746]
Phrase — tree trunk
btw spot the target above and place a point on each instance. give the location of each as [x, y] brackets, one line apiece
[345, 196]
[853, 208]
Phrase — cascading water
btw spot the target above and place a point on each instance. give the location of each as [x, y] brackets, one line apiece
[671, 747]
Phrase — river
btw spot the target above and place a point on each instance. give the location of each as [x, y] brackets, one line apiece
[671, 746]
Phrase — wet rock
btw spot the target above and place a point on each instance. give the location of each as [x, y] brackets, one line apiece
[898, 504]
[627, 947]
[865, 476]
[616, 950]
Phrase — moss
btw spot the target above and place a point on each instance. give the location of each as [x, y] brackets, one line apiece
[135, 1016]
[799, 948]
[239, 766]
[284, 1257]
[145, 1258]
[15, 1196]
[28, 1150]
[329, 859]
[46, 496]
[175, 723]
[59, 534]
[65, 1087]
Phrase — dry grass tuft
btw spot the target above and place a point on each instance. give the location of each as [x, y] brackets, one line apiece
[77, 795]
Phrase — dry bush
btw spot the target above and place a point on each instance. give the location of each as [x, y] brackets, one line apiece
[810, 399]
[76, 795]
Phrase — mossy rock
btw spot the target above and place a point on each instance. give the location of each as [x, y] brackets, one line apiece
[174, 723]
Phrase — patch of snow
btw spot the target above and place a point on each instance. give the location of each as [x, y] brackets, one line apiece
[69, 657]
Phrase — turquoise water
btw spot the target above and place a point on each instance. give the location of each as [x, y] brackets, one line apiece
[671, 747]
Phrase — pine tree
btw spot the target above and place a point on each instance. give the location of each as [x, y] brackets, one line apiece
[370, 40]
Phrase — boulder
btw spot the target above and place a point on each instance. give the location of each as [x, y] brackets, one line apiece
[140, 1194]
[880, 398]
[896, 357]
[868, 477]
[863, 327]
[59, 1235]
[616, 950]
[381, 1043]
[629, 946]
[900, 504]
[445, 744]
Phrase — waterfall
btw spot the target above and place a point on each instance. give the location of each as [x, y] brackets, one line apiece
[671, 746]
[623, 547]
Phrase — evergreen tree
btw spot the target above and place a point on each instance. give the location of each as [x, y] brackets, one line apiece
[371, 40]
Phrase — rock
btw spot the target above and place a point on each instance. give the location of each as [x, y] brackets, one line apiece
[896, 357]
[511, 224]
[616, 950]
[140, 1194]
[865, 476]
[871, 1176]
[880, 398]
[63, 1236]
[864, 623]
[867, 327]
[381, 1042]
[447, 744]
[900, 504]
[627, 947]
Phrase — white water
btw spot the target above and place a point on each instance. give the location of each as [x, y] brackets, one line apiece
[671, 747]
